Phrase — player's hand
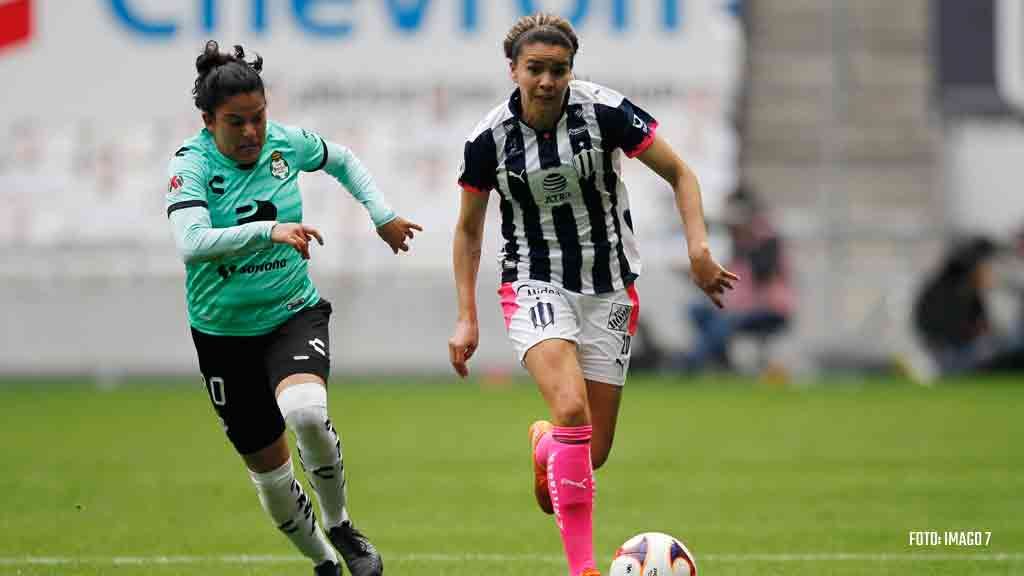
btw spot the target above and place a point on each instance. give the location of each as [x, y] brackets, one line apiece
[396, 232]
[709, 275]
[296, 235]
[462, 345]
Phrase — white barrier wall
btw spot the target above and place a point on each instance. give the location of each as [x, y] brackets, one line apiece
[96, 97]
[983, 175]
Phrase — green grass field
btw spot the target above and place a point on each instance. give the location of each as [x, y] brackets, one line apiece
[823, 480]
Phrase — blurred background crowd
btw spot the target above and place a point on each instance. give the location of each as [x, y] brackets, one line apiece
[859, 162]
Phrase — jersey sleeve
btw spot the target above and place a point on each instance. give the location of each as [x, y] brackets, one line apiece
[189, 214]
[478, 171]
[185, 187]
[627, 126]
[346, 168]
[310, 148]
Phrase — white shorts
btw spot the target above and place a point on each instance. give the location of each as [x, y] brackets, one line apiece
[601, 325]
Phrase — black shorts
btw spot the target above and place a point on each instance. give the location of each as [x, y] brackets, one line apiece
[242, 372]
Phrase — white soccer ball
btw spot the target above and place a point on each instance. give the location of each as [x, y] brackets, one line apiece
[653, 554]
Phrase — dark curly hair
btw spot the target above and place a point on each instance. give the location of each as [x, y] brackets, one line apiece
[222, 76]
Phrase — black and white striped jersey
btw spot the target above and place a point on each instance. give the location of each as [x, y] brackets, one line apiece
[564, 207]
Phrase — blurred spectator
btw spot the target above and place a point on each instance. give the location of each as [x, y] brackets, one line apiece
[761, 303]
[952, 319]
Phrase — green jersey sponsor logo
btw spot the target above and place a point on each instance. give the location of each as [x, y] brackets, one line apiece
[226, 271]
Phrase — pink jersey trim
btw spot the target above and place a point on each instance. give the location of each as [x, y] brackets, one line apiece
[508, 302]
[634, 317]
[473, 189]
[652, 128]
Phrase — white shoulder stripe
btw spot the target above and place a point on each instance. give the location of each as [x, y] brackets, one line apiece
[492, 120]
[581, 92]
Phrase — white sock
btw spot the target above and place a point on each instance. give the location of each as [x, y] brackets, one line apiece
[304, 407]
[291, 510]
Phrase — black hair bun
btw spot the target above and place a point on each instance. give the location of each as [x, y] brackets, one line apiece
[224, 74]
[210, 58]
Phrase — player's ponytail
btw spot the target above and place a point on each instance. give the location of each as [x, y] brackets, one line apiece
[222, 76]
[544, 28]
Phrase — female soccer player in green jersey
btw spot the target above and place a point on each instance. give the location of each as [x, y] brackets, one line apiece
[259, 325]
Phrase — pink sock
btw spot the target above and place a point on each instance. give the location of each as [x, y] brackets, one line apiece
[571, 481]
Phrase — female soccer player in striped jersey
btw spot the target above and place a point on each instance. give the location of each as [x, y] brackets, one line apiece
[552, 152]
[259, 325]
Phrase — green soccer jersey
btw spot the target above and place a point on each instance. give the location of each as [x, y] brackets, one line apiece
[242, 284]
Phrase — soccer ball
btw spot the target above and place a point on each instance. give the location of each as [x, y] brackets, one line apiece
[653, 554]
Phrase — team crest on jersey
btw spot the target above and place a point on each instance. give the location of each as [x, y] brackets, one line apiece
[278, 165]
[176, 183]
[542, 315]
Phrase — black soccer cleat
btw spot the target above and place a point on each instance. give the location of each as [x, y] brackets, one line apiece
[327, 569]
[360, 555]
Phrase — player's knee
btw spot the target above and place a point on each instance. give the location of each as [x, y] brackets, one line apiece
[304, 407]
[307, 421]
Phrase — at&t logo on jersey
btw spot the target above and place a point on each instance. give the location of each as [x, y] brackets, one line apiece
[556, 186]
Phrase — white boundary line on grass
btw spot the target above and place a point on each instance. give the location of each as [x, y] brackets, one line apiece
[711, 558]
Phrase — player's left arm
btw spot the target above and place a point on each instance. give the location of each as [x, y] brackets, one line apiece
[707, 273]
[315, 153]
[353, 175]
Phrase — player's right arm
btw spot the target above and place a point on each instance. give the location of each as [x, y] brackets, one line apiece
[194, 235]
[706, 272]
[476, 180]
[466, 249]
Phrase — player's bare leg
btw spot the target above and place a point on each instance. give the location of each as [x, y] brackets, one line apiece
[603, 399]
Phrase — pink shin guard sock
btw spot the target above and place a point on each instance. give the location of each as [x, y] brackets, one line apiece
[571, 481]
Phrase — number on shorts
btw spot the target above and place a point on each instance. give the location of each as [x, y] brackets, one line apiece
[217, 391]
[626, 341]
